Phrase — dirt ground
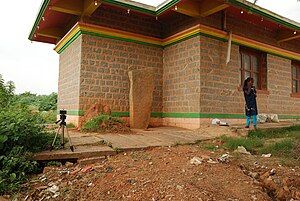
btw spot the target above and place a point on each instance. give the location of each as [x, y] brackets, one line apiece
[167, 173]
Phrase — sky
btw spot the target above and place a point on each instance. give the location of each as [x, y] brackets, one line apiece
[33, 66]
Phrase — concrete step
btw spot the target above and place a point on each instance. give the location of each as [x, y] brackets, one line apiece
[79, 153]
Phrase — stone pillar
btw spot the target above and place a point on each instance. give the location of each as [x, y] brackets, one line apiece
[140, 97]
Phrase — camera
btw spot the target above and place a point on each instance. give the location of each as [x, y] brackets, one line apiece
[62, 117]
[64, 112]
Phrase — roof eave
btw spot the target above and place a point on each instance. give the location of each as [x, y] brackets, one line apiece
[265, 13]
[39, 16]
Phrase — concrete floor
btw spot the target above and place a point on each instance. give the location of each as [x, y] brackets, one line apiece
[97, 144]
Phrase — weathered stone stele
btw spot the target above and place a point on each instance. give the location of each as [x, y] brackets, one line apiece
[140, 97]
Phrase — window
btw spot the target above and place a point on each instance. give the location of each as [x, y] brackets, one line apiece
[295, 77]
[253, 64]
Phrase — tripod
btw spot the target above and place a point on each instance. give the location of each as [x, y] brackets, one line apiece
[62, 127]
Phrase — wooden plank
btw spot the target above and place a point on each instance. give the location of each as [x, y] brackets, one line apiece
[90, 6]
[284, 36]
[209, 7]
[73, 7]
[53, 32]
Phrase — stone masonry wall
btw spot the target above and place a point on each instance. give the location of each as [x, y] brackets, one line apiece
[104, 71]
[220, 85]
[181, 77]
[280, 87]
[69, 73]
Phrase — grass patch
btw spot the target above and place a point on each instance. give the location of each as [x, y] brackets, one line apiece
[106, 123]
[283, 142]
[71, 125]
[210, 147]
[293, 131]
[251, 144]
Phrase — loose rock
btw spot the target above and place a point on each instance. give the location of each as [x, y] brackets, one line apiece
[242, 150]
[196, 160]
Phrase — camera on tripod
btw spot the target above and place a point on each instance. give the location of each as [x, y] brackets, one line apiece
[62, 129]
[62, 117]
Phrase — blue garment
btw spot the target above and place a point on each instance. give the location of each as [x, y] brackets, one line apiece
[250, 99]
[254, 120]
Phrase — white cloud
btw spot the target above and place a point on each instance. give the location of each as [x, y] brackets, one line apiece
[34, 66]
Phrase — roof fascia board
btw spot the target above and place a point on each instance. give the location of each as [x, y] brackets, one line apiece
[265, 13]
[42, 10]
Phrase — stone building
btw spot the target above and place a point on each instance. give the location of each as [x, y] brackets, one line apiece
[186, 43]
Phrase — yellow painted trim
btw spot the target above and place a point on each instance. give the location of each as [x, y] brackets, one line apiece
[198, 29]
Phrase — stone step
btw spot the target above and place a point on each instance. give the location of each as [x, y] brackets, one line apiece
[79, 153]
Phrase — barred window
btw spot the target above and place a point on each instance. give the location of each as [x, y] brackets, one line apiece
[295, 77]
[253, 64]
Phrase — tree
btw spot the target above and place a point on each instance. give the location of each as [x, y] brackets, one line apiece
[6, 92]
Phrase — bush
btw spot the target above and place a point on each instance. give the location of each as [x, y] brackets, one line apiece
[19, 127]
[14, 169]
[49, 117]
[41, 102]
[20, 134]
[6, 93]
[105, 123]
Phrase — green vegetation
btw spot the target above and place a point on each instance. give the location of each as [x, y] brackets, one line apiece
[283, 142]
[104, 123]
[21, 133]
[40, 102]
[251, 144]
[293, 131]
[44, 105]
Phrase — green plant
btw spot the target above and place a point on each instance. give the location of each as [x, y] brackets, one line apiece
[49, 117]
[71, 125]
[6, 93]
[21, 133]
[275, 133]
[41, 102]
[251, 144]
[54, 163]
[103, 123]
[14, 169]
[282, 148]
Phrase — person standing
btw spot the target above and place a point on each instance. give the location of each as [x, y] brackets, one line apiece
[250, 99]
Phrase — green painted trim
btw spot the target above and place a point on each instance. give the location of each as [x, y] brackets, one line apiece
[288, 117]
[42, 10]
[74, 112]
[257, 10]
[120, 114]
[133, 7]
[167, 6]
[156, 114]
[223, 116]
[180, 115]
[118, 38]
[70, 42]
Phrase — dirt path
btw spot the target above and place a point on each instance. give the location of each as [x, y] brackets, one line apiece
[158, 174]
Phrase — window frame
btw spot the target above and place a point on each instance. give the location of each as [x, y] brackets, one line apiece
[296, 65]
[261, 59]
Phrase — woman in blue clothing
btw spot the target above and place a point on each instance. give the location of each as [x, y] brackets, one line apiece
[250, 99]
